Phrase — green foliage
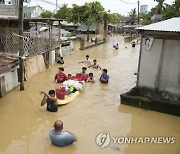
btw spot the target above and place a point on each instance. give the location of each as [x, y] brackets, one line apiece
[168, 11]
[145, 22]
[63, 12]
[133, 15]
[87, 13]
[46, 14]
[75, 13]
[160, 7]
[172, 10]
[114, 17]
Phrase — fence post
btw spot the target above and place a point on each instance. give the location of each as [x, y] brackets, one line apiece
[21, 50]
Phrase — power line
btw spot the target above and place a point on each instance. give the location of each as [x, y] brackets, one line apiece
[127, 2]
[51, 3]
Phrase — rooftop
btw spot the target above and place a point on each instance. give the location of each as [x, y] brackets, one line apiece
[7, 61]
[27, 9]
[83, 27]
[170, 25]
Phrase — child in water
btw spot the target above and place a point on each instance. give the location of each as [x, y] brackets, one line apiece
[104, 78]
[69, 76]
[87, 60]
[95, 65]
[60, 77]
[83, 72]
[91, 78]
[116, 46]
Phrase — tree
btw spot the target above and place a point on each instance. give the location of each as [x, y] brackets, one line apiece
[160, 6]
[133, 15]
[46, 14]
[114, 17]
[145, 22]
[172, 10]
[87, 14]
[63, 12]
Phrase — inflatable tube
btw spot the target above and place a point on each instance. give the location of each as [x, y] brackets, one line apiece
[69, 98]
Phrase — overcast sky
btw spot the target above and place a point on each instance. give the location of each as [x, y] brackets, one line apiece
[115, 6]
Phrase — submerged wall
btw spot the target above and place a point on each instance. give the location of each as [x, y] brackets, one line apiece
[170, 71]
[34, 65]
[8, 82]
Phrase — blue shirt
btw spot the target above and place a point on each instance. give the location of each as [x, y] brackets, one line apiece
[106, 77]
[61, 139]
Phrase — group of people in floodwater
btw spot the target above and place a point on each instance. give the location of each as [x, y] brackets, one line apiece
[57, 135]
[133, 44]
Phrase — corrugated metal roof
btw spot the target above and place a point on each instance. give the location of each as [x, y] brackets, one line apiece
[170, 25]
[5, 69]
[6, 62]
[5, 59]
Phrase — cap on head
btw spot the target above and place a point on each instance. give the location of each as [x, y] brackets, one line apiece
[58, 125]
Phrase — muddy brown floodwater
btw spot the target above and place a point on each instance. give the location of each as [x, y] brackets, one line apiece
[24, 124]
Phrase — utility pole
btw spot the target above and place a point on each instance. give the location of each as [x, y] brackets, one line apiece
[21, 48]
[105, 27]
[138, 12]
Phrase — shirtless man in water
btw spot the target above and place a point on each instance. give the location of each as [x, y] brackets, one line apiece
[50, 100]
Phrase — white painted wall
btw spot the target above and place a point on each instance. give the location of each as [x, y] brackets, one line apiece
[11, 80]
[52, 57]
[34, 65]
[170, 70]
[149, 63]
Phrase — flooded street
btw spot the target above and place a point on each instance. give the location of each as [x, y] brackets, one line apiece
[25, 125]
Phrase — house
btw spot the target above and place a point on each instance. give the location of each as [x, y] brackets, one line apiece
[143, 9]
[83, 28]
[8, 73]
[69, 26]
[158, 76]
[41, 46]
[156, 18]
[8, 8]
[112, 27]
[32, 11]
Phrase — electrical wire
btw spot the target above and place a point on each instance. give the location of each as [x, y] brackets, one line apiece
[127, 2]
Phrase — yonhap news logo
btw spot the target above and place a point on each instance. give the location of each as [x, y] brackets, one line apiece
[103, 140]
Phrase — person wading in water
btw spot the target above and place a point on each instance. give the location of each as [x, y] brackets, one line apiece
[50, 100]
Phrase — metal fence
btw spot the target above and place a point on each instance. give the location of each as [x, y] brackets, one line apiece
[34, 42]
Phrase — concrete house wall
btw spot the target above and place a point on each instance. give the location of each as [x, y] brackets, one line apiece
[10, 81]
[170, 71]
[169, 79]
[7, 10]
[149, 64]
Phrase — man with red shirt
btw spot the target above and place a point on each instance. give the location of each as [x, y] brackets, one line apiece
[60, 77]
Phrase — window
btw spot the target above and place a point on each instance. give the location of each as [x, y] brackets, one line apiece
[7, 2]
